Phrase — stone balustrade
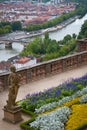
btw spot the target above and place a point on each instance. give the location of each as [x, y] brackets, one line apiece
[48, 68]
[82, 45]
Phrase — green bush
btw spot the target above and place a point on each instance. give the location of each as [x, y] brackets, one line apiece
[27, 106]
[67, 93]
[28, 112]
[25, 125]
[80, 86]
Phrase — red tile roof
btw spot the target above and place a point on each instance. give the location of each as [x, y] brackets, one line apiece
[23, 60]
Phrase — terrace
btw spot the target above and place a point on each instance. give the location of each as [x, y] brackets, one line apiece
[36, 87]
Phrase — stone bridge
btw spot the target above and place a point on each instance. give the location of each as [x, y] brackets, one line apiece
[8, 42]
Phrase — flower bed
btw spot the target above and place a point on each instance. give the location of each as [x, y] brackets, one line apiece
[64, 101]
[52, 121]
[54, 94]
[55, 115]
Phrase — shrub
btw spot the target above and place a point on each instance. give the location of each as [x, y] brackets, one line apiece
[80, 86]
[67, 93]
[25, 125]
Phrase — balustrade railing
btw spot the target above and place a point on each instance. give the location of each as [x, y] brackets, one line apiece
[48, 68]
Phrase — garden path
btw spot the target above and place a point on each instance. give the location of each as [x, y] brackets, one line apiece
[34, 87]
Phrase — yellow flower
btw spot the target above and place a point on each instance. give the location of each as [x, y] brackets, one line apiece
[78, 117]
[72, 102]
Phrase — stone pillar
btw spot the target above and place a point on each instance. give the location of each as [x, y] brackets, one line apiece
[48, 69]
[29, 75]
[12, 116]
[64, 65]
[82, 45]
[8, 45]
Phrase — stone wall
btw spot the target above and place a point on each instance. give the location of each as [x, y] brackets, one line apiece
[82, 45]
[48, 68]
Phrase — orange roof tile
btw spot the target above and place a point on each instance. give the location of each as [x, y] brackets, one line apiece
[23, 60]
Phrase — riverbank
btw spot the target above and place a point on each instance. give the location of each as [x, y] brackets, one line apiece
[52, 29]
[23, 35]
[61, 25]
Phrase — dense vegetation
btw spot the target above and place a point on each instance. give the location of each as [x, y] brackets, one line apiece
[7, 27]
[83, 32]
[50, 49]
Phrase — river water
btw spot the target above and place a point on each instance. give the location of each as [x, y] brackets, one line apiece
[74, 27]
[70, 29]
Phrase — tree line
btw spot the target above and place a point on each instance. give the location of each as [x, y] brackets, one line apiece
[7, 27]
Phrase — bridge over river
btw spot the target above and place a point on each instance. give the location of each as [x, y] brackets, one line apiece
[8, 42]
[18, 37]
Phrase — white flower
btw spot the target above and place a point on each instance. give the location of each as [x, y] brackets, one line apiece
[52, 121]
[83, 99]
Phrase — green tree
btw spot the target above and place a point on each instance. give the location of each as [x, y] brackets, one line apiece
[74, 35]
[3, 23]
[8, 28]
[52, 47]
[83, 32]
[46, 35]
[16, 25]
[35, 47]
[1, 31]
[67, 38]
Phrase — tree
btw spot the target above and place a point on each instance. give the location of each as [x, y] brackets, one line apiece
[1, 31]
[5, 27]
[3, 24]
[35, 47]
[83, 32]
[52, 47]
[46, 35]
[8, 28]
[16, 25]
[74, 35]
[66, 38]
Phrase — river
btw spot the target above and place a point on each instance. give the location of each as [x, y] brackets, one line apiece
[74, 27]
[5, 54]
[70, 29]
